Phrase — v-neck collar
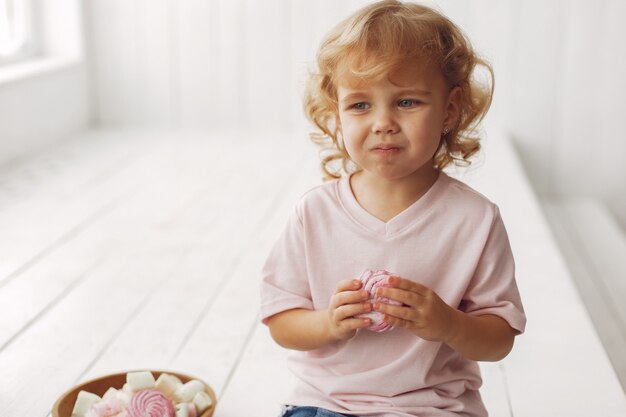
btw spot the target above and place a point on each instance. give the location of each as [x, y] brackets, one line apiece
[399, 222]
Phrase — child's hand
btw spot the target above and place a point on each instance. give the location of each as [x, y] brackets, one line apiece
[349, 300]
[424, 313]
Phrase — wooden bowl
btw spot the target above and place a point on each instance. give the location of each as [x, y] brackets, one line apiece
[65, 404]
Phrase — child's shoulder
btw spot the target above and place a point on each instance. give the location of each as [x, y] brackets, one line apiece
[324, 193]
[319, 201]
[461, 195]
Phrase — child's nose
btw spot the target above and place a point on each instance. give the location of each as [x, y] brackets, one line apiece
[384, 124]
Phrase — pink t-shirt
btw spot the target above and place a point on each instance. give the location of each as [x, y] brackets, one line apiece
[452, 240]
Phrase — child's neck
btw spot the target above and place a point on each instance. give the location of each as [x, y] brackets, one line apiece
[386, 198]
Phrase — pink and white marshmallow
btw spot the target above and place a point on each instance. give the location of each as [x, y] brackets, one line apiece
[150, 403]
[372, 280]
[111, 406]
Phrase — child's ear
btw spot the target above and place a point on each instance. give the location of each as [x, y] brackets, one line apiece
[453, 108]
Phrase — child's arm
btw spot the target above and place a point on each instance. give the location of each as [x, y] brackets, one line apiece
[302, 329]
[480, 338]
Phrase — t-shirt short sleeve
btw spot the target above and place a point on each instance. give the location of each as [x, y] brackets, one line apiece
[284, 284]
[493, 289]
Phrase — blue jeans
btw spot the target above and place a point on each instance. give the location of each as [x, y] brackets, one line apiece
[290, 411]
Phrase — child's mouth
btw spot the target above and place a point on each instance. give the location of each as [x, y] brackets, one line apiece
[386, 150]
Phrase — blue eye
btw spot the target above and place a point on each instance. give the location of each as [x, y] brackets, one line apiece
[407, 102]
[360, 106]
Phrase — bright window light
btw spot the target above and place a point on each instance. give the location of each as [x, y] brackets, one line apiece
[15, 28]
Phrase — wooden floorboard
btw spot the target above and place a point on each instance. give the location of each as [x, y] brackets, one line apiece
[97, 156]
[137, 277]
[59, 270]
[62, 206]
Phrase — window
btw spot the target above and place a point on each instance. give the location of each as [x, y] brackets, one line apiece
[15, 30]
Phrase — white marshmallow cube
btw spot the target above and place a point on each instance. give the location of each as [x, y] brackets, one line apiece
[202, 401]
[122, 395]
[182, 410]
[186, 392]
[111, 392]
[168, 384]
[126, 393]
[193, 411]
[83, 403]
[140, 380]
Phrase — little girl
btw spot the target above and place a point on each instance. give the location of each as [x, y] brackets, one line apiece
[396, 98]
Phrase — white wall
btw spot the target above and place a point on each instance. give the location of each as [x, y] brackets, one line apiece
[41, 110]
[591, 104]
[567, 97]
[207, 64]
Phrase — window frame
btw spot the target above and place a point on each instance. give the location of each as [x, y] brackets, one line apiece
[29, 47]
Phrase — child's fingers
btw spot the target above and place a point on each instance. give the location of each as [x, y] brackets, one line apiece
[347, 285]
[345, 311]
[397, 322]
[348, 297]
[348, 292]
[400, 312]
[356, 323]
[406, 284]
[404, 296]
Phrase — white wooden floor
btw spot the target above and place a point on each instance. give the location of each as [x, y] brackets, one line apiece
[125, 250]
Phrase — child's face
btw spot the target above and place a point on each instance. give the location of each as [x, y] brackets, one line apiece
[392, 127]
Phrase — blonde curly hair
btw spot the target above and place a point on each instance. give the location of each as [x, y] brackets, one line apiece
[373, 42]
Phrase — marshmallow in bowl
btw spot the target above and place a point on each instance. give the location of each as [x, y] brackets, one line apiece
[110, 393]
[150, 403]
[83, 403]
[166, 397]
[186, 410]
[168, 384]
[126, 388]
[182, 410]
[141, 380]
[123, 395]
[107, 407]
[187, 392]
[202, 401]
